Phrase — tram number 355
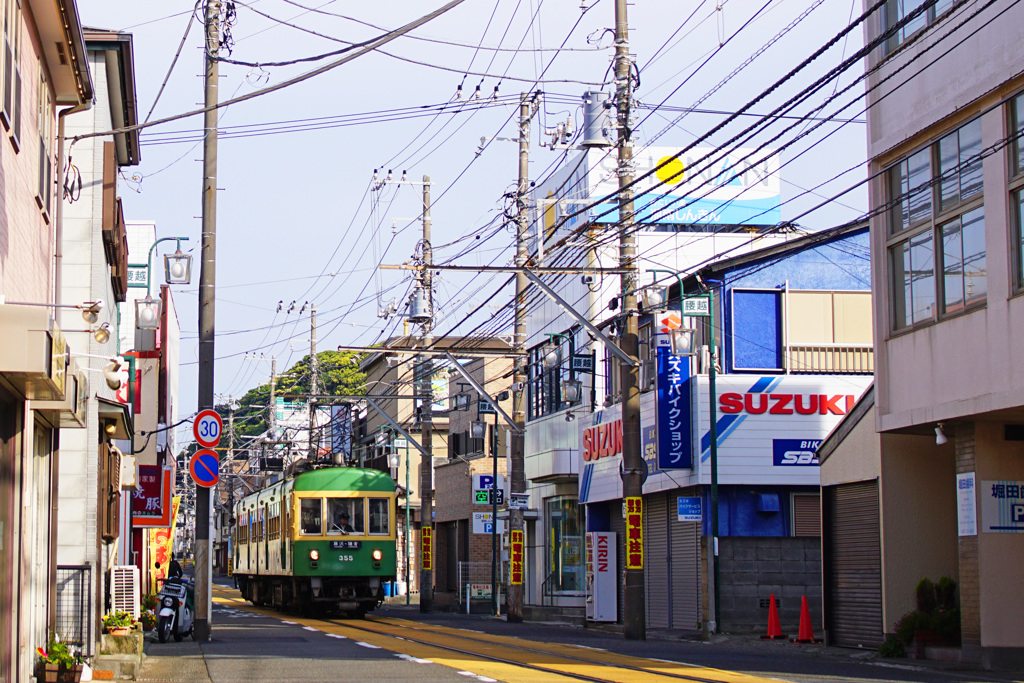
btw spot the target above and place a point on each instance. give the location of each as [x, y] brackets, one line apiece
[345, 558]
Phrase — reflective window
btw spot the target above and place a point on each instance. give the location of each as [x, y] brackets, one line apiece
[937, 221]
[311, 516]
[1017, 187]
[379, 521]
[345, 516]
[565, 560]
[906, 17]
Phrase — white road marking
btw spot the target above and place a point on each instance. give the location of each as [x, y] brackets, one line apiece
[362, 644]
[335, 635]
[478, 677]
[310, 628]
[290, 623]
[410, 658]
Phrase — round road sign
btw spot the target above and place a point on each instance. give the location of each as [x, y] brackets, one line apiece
[207, 428]
[205, 468]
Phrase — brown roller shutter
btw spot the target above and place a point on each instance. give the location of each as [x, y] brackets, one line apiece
[807, 515]
[685, 546]
[853, 565]
[656, 561]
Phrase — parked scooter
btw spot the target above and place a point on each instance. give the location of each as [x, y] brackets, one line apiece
[174, 611]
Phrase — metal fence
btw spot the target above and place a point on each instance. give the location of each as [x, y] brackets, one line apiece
[74, 596]
[478, 574]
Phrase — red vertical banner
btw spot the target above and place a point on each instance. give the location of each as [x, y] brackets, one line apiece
[634, 533]
[427, 550]
[516, 572]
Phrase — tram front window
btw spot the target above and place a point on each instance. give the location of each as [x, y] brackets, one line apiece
[311, 516]
[345, 516]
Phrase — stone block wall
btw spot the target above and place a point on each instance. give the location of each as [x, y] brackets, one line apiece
[754, 568]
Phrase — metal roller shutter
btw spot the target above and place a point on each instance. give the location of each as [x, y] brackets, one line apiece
[853, 565]
[619, 527]
[657, 561]
[685, 565]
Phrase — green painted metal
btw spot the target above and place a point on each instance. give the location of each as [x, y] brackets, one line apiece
[331, 564]
[344, 479]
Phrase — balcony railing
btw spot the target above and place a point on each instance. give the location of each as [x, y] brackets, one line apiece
[830, 358]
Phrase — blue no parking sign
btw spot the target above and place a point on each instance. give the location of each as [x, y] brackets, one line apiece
[205, 468]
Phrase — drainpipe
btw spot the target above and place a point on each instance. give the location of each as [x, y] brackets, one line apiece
[58, 200]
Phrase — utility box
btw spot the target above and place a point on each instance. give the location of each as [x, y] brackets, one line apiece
[602, 588]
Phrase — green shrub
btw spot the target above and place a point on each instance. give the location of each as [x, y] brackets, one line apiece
[892, 647]
[945, 593]
[908, 623]
[925, 593]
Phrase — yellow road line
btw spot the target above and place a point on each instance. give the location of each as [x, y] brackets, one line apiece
[604, 656]
[392, 634]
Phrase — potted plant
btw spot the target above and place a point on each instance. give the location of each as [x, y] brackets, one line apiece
[57, 663]
[148, 619]
[118, 622]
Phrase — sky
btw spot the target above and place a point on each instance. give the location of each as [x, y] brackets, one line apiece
[298, 218]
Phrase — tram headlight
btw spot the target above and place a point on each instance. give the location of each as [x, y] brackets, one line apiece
[314, 554]
[377, 555]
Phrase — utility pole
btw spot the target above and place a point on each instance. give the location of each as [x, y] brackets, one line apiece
[633, 466]
[426, 414]
[207, 281]
[272, 416]
[314, 388]
[517, 477]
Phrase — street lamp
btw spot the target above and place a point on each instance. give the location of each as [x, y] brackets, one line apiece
[683, 339]
[572, 391]
[178, 268]
[655, 299]
[147, 313]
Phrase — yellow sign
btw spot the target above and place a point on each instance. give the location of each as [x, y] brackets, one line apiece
[59, 359]
[427, 552]
[161, 546]
[516, 571]
[634, 533]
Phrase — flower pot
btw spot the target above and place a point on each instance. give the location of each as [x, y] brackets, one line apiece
[47, 672]
[119, 630]
[71, 674]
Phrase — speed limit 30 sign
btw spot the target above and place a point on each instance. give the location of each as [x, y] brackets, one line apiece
[207, 428]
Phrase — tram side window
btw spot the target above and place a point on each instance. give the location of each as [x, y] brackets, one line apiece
[243, 528]
[312, 516]
[379, 522]
[345, 516]
[274, 527]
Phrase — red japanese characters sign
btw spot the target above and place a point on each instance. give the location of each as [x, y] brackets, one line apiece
[516, 571]
[151, 501]
[634, 533]
[427, 552]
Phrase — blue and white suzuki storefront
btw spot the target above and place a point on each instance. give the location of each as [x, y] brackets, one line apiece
[769, 506]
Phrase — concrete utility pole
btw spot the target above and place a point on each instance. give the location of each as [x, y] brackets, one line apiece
[633, 466]
[207, 280]
[272, 417]
[517, 477]
[314, 388]
[426, 413]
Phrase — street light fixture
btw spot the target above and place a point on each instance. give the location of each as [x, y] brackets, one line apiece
[682, 341]
[552, 356]
[572, 390]
[178, 268]
[147, 313]
[655, 299]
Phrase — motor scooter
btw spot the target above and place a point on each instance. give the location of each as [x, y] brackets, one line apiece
[174, 614]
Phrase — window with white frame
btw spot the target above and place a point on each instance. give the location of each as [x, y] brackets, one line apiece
[44, 190]
[936, 242]
[1017, 188]
[10, 106]
[921, 13]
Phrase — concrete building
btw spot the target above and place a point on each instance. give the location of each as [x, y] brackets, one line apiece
[943, 125]
[95, 268]
[463, 516]
[45, 66]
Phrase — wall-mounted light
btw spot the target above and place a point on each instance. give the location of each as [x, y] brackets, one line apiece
[552, 356]
[147, 313]
[91, 311]
[940, 436]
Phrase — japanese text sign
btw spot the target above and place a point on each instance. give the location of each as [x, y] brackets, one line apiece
[151, 501]
[1002, 506]
[516, 570]
[634, 533]
[427, 551]
[674, 443]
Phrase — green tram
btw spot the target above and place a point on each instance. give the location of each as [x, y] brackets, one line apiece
[324, 539]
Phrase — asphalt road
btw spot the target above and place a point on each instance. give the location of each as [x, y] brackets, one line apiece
[400, 644]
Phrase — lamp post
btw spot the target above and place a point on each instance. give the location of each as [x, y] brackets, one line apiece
[693, 306]
[478, 430]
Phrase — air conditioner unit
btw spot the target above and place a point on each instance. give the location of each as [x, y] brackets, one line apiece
[124, 589]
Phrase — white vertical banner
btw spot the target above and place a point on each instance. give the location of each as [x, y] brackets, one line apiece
[966, 505]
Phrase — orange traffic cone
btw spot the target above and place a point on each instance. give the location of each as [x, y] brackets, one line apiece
[774, 628]
[806, 634]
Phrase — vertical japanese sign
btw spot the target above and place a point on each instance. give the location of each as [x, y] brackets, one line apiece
[634, 533]
[674, 450]
[427, 551]
[161, 545]
[516, 571]
[966, 510]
